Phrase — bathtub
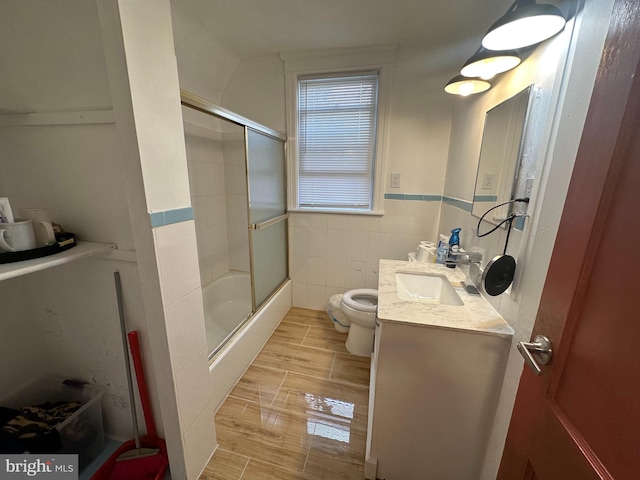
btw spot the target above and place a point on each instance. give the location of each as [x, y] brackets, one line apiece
[227, 301]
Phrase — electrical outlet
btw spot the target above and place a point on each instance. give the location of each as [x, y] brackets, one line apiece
[395, 180]
[488, 181]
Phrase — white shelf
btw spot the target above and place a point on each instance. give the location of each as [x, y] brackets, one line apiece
[81, 250]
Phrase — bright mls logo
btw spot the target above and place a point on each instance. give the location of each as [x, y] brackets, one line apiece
[50, 467]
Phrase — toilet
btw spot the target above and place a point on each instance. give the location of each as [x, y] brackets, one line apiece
[360, 307]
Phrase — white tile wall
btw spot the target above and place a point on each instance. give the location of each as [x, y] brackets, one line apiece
[184, 334]
[177, 257]
[207, 179]
[200, 441]
[193, 389]
[332, 253]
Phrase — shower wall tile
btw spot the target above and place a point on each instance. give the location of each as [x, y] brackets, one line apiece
[237, 209]
[239, 260]
[201, 178]
[206, 271]
[220, 264]
[235, 179]
[208, 197]
[238, 236]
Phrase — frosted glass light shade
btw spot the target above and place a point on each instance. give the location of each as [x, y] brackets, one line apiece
[524, 26]
[486, 64]
[466, 86]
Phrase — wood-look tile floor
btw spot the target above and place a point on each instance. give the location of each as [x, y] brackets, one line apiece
[300, 410]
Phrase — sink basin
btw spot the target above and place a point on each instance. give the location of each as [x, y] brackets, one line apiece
[426, 288]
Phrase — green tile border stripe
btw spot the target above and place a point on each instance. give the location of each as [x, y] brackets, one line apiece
[456, 202]
[168, 217]
[485, 198]
[412, 196]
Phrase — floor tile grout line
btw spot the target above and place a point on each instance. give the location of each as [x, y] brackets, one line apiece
[299, 345]
[245, 468]
[305, 337]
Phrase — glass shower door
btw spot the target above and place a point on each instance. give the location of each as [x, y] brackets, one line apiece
[267, 213]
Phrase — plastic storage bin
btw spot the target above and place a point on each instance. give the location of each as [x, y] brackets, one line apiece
[82, 432]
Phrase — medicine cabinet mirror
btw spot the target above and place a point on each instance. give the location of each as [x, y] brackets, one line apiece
[502, 169]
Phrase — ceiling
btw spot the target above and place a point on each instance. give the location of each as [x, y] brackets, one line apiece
[249, 28]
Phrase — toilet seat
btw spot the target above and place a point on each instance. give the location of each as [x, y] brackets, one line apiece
[362, 299]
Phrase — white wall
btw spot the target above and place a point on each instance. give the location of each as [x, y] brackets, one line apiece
[553, 138]
[204, 65]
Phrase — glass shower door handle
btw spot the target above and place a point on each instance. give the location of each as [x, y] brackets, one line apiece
[268, 223]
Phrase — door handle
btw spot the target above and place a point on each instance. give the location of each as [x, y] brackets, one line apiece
[540, 349]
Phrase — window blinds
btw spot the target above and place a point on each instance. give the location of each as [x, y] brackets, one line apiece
[336, 140]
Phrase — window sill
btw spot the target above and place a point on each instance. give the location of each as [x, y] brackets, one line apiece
[373, 213]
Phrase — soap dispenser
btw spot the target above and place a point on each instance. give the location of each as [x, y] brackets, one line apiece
[454, 241]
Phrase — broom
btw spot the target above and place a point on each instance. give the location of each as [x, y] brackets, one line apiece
[148, 461]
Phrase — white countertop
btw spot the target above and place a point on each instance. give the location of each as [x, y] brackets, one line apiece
[476, 314]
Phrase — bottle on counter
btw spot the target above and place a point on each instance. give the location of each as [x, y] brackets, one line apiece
[454, 240]
[443, 249]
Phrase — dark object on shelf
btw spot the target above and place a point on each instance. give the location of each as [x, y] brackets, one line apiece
[64, 241]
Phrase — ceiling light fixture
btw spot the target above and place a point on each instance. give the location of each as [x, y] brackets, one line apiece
[487, 64]
[525, 23]
[466, 86]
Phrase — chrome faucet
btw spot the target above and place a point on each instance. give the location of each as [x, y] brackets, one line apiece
[470, 260]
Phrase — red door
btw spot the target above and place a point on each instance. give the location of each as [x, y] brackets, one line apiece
[580, 419]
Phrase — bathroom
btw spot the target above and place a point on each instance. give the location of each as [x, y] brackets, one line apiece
[97, 137]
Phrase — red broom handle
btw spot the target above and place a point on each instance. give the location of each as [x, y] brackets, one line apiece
[134, 345]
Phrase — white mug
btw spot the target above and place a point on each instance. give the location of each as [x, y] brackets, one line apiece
[41, 225]
[17, 236]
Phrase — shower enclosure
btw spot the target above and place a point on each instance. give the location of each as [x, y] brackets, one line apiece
[238, 191]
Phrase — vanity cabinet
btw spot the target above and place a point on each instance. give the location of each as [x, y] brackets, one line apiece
[433, 394]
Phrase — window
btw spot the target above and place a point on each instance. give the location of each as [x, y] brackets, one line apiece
[336, 140]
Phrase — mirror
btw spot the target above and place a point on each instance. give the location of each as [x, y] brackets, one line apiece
[500, 173]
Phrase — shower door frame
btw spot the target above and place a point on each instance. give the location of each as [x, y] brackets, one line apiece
[200, 104]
